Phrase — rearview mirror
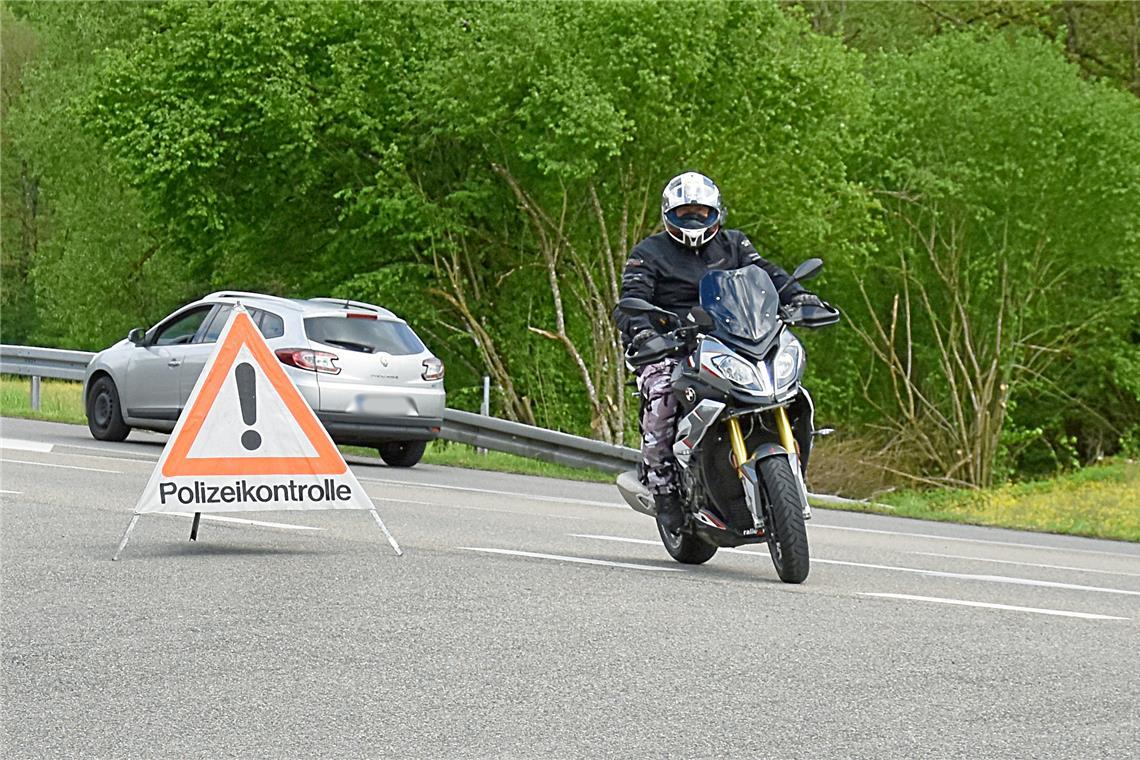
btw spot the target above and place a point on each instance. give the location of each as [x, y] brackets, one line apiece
[136, 336]
[701, 318]
[808, 270]
[635, 305]
[804, 271]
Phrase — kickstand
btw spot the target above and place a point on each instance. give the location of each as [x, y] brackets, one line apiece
[194, 526]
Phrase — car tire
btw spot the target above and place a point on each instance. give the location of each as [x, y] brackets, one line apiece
[402, 453]
[104, 413]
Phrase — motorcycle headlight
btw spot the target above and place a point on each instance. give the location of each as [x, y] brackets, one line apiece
[788, 364]
[736, 370]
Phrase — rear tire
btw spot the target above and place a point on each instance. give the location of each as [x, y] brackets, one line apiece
[787, 535]
[104, 413]
[402, 453]
[685, 547]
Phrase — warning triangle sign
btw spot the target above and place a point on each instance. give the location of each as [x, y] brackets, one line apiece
[248, 441]
[243, 390]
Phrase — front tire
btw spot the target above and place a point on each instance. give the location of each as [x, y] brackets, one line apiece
[104, 413]
[787, 534]
[402, 453]
[685, 547]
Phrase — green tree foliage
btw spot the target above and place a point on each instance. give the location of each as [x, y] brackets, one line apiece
[92, 265]
[483, 169]
[499, 159]
[1011, 190]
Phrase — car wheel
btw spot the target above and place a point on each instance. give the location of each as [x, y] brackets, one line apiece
[402, 453]
[104, 414]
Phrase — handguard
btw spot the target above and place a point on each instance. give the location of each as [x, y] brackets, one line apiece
[810, 316]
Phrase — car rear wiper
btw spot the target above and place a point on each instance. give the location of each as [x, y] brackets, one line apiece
[351, 345]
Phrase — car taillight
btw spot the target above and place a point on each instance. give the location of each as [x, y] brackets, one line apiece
[304, 358]
[433, 369]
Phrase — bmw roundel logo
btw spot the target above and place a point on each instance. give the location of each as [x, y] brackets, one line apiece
[690, 394]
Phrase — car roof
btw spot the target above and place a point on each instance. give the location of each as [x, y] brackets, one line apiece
[310, 307]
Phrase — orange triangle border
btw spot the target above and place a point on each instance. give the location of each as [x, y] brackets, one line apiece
[242, 332]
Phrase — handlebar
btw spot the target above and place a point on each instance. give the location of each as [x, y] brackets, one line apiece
[680, 339]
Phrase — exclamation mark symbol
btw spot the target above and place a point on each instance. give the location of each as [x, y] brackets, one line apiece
[247, 397]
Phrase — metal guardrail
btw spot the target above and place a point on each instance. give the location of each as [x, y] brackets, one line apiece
[32, 361]
[536, 442]
[459, 426]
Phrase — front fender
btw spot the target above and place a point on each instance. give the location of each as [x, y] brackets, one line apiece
[769, 450]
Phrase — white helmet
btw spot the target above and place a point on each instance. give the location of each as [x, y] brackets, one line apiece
[691, 209]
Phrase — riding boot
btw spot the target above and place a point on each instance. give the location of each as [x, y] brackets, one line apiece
[669, 512]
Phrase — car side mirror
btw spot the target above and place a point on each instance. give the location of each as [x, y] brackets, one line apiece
[137, 336]
[701, 318]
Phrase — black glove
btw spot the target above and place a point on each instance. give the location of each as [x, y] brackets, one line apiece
[640, 338]
[805, 299]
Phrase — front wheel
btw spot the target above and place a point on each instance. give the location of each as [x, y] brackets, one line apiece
[787, 535]
[402, 453]
[685, 547]
[104, 413]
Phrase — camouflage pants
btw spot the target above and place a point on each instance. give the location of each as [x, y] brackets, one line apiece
[658, 424]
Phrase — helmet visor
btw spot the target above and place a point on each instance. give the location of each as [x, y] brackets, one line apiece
[693, 217]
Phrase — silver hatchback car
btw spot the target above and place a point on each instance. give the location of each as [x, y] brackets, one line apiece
[365, 373]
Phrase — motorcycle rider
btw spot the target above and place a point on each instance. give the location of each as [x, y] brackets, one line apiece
[665, 269]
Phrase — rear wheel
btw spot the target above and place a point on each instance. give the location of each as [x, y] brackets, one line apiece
[104, 414]
[402, 453]
[787, 535]
[685, 547]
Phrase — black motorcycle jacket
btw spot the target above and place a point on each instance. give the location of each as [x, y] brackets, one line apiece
[667, 274]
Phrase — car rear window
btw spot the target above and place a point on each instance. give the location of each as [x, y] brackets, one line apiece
[368, 336]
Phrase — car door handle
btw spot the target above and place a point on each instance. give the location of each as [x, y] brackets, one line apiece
[174, 363]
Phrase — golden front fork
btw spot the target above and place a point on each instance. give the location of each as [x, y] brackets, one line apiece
[783, 428]
[736, 438]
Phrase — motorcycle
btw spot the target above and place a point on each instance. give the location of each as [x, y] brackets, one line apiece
[737, 382]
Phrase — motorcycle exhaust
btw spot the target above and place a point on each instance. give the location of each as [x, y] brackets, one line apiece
[635, 493]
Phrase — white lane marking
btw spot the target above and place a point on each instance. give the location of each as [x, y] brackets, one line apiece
[110, 449]
[112, 459]
[1028, 564]
[988, 605]
[15, 493]
[22, 445]
[920, 571]
[406, 501]
[466, 508]
[219, 518]
[580, 560]
[617, 538]
[982, 578]
[61, 466]
[530, 497]
[813, 524]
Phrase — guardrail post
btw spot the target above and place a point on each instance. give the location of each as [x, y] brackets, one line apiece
[485, 407]
[35, 393]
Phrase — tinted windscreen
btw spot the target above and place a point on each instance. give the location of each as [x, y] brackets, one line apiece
[742, 302]
[369, 336]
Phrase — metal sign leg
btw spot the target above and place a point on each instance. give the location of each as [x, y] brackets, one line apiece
[384, 528]
[126, 536]
[194, 526]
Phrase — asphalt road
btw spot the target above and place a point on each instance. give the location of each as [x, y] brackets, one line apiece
[535, 618]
